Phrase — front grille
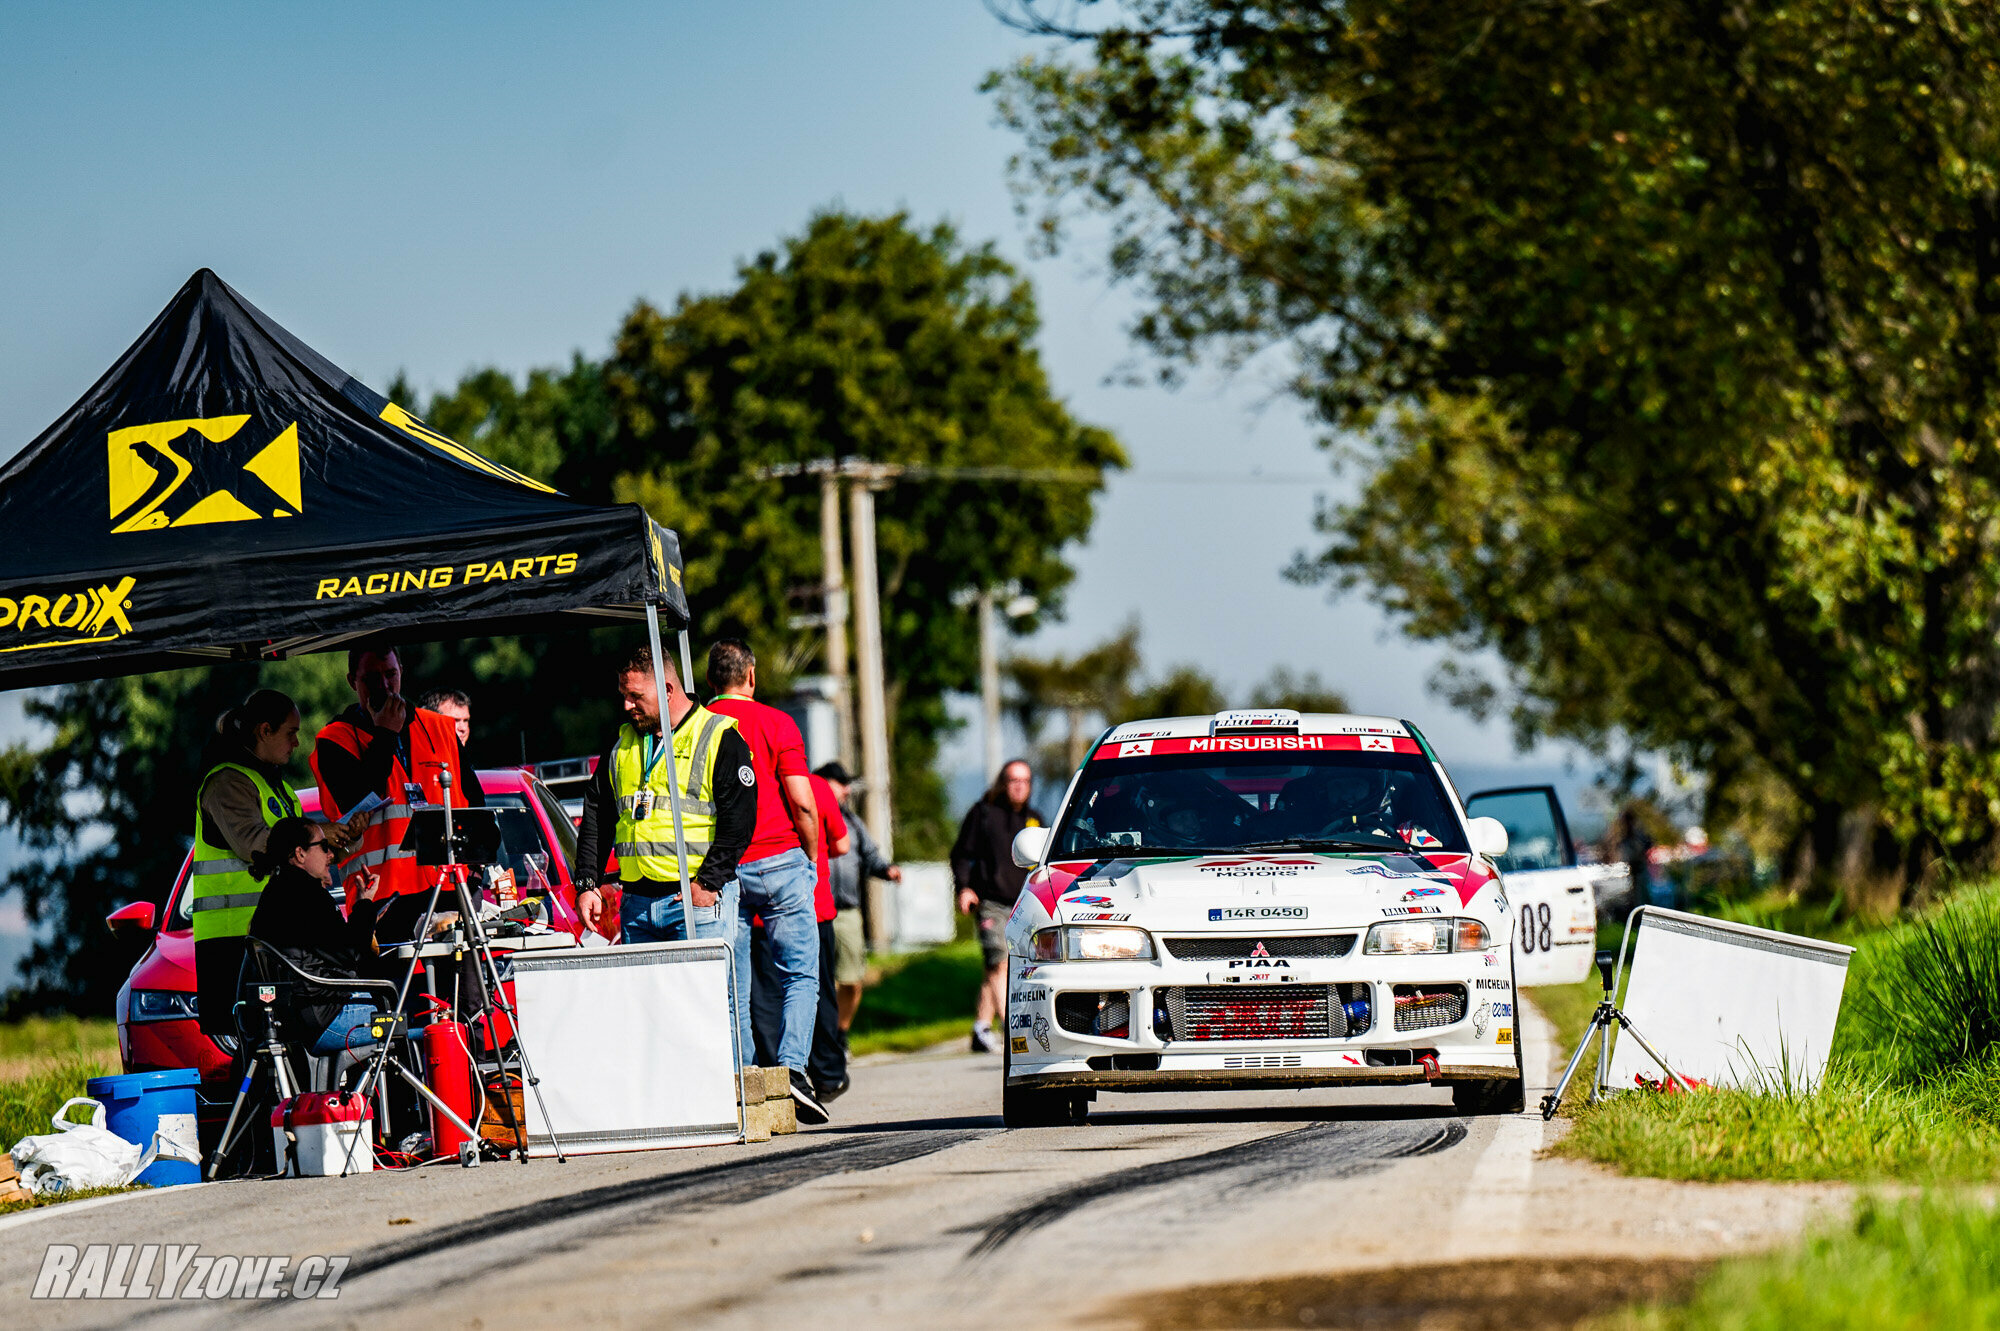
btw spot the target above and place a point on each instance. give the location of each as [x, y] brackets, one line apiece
[1094, 1013]
[1420, 1007]
[1273, 1012]
[1234, 949]
[1263, 1060]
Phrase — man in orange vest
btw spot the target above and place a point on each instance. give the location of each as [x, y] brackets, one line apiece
[383, 746]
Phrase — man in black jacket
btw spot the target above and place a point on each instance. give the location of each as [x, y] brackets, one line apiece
[988, 881]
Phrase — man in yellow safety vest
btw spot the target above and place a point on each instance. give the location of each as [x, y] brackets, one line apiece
[628, 812]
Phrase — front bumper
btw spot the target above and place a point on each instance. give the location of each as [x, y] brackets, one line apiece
[1186, 1026]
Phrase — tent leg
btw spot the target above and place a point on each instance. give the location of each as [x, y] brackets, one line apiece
[673, 769]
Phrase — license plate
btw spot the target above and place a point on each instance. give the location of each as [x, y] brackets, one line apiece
[1252, 977]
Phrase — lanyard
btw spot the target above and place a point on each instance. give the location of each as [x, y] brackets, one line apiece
[650, 753]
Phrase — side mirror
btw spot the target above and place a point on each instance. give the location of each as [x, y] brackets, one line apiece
[1029, 843]
[1488, 837]
[139, 917]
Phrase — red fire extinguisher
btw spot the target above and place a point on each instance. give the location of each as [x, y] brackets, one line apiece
[450, 1077]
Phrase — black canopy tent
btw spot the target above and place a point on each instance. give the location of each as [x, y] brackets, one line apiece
[226, 493]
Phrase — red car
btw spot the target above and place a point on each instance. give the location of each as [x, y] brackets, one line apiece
[156, 1007]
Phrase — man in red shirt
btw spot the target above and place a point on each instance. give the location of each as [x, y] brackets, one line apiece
[827, 1064]
[776, 873]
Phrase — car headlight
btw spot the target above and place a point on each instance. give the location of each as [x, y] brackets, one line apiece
[160, 1005]
[1404, 937]
[1092, 944]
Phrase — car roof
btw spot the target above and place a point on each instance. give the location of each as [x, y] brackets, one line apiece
[1249, 721]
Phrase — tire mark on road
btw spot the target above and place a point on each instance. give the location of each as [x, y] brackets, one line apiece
[1288, 1156]
[728, 1184]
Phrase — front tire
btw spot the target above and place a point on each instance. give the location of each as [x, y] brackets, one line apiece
[1028, 1107]
[1498, 1097]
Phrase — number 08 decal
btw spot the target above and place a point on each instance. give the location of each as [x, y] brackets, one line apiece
[1536, 934]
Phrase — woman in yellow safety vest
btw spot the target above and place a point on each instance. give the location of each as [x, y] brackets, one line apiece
[243, 793]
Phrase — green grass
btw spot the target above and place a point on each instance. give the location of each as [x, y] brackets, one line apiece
[40, 1039]
[1918, 1265]
[1857, 1126]
[922, 999]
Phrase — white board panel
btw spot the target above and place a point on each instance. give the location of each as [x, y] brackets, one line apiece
[1555, 924]
[926, 907]
[1729, 1004]
[635, 1046]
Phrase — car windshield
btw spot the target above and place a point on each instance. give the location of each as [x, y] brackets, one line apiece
[1176, 804]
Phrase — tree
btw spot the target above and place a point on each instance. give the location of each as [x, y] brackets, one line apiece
[1667, 336]
[860, 338]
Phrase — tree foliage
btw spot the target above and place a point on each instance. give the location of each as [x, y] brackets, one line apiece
[1666, 336]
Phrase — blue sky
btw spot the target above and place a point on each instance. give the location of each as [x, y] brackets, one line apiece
[430, 188]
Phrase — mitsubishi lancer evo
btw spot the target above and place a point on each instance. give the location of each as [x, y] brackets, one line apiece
[1253, 900]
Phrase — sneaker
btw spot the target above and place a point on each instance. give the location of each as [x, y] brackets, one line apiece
[833, 1090]
[983, 1041]
[810, 1109]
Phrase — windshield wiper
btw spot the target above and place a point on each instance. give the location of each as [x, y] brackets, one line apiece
[1127, 852]
[1329, 843]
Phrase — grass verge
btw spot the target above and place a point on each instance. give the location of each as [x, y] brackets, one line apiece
[922, 999]
[32, 1044]
[43, 1062]
[1919, 1264]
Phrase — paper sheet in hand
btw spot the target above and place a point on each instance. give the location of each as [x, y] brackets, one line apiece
[363, 809]
[1730, 1004]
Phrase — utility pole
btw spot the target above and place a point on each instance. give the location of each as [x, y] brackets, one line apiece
[834, 583]
[868, 655]
[989, 681]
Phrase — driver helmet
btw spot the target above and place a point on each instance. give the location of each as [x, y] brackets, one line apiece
[1340, 793]
[1169, 810]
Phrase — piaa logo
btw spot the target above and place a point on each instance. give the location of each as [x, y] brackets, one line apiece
[192, 472]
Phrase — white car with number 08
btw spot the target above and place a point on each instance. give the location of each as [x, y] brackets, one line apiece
[1259, 899]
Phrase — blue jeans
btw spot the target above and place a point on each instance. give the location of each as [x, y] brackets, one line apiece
[645, 919]
[780, 888]
[347, 1030]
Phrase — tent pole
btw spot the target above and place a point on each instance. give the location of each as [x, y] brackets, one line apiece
[673, 769]
[687, 665]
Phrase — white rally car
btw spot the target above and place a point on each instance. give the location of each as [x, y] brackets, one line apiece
[1253, 900]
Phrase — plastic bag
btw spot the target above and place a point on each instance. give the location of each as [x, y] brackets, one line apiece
[80, 1155]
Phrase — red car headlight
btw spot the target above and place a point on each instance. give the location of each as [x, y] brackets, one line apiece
[160, 1005]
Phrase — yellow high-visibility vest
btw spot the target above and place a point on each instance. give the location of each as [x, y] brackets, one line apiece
[645, 846]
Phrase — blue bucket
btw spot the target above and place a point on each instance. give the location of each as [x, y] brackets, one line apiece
[141, 1103]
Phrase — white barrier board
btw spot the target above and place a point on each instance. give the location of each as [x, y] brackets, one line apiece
[1730, 1004]
[1555, 924]
[926, 907]
[635, 1046]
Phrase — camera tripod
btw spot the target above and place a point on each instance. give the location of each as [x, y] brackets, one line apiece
[493, 1002]
[1601, 1021]
[268, 1057]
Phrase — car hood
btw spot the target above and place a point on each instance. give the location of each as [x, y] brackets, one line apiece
[1282, 891]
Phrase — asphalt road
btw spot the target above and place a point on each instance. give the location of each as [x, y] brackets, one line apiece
[913, 1208]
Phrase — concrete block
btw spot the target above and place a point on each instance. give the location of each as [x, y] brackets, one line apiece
[784, 1116]
[777, 1083]
[750, 1086]
[757, 1126]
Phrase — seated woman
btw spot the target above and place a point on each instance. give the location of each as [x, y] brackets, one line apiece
[296, 916]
